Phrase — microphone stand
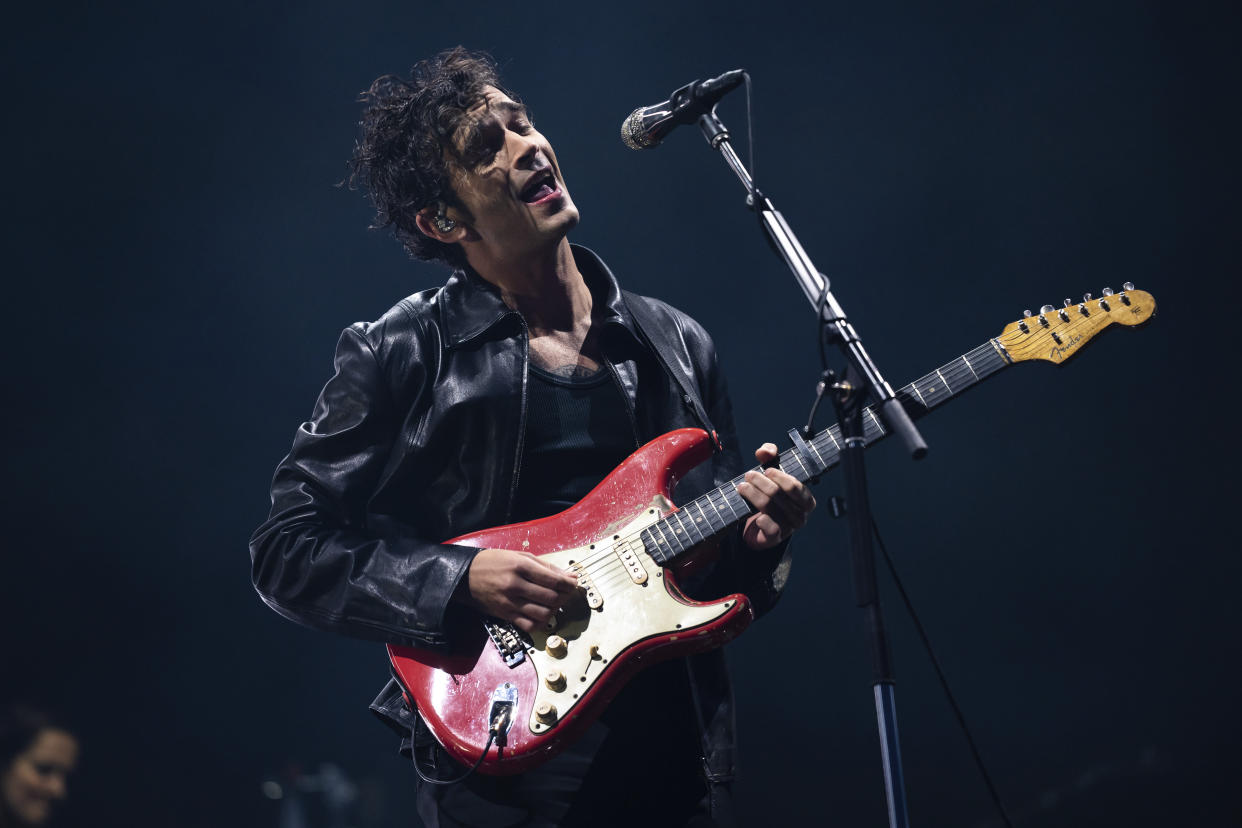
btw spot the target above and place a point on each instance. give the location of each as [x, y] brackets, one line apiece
[862, 379]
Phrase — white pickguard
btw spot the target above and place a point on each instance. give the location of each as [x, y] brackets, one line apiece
[629, 613]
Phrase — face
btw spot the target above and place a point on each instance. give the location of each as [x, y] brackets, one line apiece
[37, 776]
[507, 178]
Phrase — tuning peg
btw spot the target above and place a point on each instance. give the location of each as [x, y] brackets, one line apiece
[1066, 303]
[1128, 286]
[1046, 309]
[1026, 314]
[1106, 292]
[1086, 297]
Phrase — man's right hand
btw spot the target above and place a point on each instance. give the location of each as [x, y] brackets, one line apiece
[518, 587]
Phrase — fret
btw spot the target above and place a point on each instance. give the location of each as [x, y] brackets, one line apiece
[712, 500]
[737, 504]
[681, 516]
[652, 544]
[698, 504]
[823, 463]
[671, 535]
[696, 525]
[833, 437]
[672, 551]
[876, 422]
[990, 359]
[971, 367]
[930, 390]
[801, 465]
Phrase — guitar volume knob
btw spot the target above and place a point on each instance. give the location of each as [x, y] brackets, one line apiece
[545, 713]
[556, 646]
[555, 680]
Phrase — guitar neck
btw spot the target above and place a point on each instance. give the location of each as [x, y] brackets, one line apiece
[713, 513]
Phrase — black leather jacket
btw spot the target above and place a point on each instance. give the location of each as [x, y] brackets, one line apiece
[417, 437]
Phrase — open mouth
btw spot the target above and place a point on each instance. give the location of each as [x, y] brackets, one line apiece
[542, 185]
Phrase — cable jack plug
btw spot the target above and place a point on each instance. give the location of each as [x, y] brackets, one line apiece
[502, 714]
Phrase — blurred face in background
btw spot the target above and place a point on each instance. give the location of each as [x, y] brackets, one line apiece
[36, 777]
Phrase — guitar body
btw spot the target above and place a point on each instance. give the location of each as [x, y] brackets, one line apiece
[629, 613]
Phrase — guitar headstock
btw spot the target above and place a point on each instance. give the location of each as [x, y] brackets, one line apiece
[1056, 334]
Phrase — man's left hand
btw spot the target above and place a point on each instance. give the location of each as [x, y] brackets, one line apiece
[782, 502]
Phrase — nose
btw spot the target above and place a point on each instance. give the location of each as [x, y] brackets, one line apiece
[527, 152]
[55, 786]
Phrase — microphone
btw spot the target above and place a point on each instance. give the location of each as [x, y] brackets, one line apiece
[647, 126]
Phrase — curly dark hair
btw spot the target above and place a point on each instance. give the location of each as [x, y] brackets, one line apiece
[408, 125]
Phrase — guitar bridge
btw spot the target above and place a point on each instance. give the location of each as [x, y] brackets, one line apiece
[508, 642]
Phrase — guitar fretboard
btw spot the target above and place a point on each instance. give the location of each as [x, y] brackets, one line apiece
[722, 507]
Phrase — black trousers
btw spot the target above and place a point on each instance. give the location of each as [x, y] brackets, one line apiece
[639, 765]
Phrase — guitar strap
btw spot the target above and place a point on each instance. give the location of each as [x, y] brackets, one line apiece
[652, 334]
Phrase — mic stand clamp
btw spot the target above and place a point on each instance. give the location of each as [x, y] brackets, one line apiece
[863, 379]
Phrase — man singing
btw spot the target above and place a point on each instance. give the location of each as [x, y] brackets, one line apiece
[503, 396]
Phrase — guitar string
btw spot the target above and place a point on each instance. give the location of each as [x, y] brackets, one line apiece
[957, 376]
[606, 570]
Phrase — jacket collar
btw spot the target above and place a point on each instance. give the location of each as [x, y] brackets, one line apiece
[471, 306]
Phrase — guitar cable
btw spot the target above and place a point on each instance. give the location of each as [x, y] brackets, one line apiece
[944, 682]
[499, 723]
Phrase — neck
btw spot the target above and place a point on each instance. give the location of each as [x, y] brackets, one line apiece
[546, 287]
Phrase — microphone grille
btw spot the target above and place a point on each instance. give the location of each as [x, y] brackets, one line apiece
[632, 134]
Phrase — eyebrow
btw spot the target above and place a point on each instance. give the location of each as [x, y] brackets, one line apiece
[509, 106]
[471, 137]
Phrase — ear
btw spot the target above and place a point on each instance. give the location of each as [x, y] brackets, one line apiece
[426, 223]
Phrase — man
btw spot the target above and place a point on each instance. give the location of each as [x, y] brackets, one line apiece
[504, 396]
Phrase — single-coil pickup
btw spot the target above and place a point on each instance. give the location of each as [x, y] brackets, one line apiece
[593, 598]
[627, 551]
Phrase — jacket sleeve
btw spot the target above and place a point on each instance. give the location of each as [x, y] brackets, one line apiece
[314, 560]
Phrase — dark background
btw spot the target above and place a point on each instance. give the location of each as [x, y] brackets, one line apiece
[180, 264]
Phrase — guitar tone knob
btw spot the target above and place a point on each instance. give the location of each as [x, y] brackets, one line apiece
[555, 680]
[545, 713]
[556, 646]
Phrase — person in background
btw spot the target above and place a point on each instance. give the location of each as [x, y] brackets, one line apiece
[37, 754]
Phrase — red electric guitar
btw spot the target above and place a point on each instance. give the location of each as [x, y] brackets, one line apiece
[521, 698]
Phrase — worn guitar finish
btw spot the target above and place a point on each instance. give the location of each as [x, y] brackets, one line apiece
[625, 539]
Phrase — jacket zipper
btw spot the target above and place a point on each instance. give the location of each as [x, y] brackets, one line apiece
[521, 440]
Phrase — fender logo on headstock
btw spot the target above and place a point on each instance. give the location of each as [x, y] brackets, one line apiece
[1062, 350]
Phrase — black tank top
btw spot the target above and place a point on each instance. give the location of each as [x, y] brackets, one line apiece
[577, 431]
